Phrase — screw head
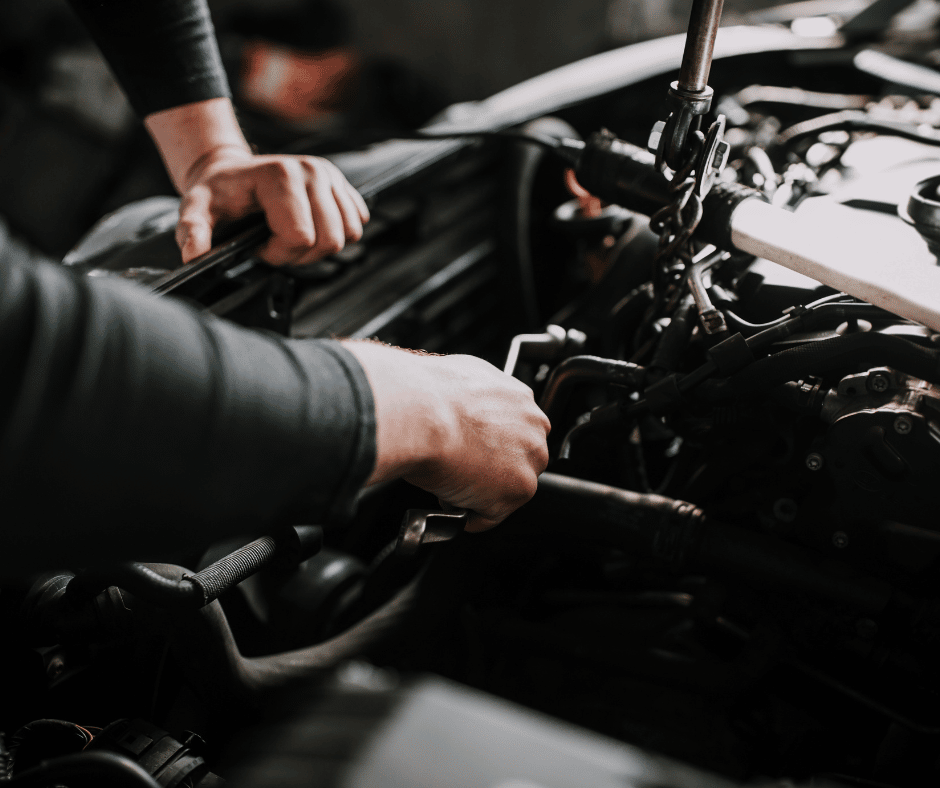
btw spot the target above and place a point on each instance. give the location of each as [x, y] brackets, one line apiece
[785, 510]
[814, 461]
[903, 425]
[878, 382]
[840, 539]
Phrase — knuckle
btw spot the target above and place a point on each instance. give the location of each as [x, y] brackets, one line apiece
[296, 235]
[298, 239]
[331, 244]
[279, 168]
[528, 488]
[309, 165]
[541, 459]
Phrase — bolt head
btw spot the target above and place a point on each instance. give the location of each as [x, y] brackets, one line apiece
[720, 159]
[878, 382]
[903, 425]
[840, 539]
[814, 461]
[656, 136]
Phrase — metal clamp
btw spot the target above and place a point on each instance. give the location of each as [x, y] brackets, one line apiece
[689, 98]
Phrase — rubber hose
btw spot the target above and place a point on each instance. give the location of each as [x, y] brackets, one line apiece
[141, 581]
[210, 657]
[585, 369]
[523, 169]
[839, 354]
[675, 338]
[676, 533]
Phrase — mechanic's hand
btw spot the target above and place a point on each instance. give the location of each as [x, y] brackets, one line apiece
[457, 427]
[309, 205]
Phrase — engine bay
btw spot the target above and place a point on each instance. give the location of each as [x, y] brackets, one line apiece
[731, 561]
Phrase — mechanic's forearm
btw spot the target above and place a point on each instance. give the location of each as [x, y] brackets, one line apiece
[190, 135]
[135, 428]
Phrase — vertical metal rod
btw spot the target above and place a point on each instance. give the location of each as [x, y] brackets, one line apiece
[699, 45]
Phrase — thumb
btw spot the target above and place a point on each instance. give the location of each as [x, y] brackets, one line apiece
[194, 228]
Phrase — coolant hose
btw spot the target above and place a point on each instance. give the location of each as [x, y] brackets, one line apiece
[677, 534]
[206, 649]
[586, 369]
[523, 169]
[839, 354]
[293, 544]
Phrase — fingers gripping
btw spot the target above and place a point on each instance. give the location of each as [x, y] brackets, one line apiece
[310, 207]
[281, 192]
[333, 215]
[194, 228]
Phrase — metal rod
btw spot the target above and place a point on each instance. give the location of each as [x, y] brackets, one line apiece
[699, 45]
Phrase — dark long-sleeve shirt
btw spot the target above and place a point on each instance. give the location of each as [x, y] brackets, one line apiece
[133, 427]
[163, 52]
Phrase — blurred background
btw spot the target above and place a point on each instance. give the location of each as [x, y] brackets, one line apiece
[332, 71]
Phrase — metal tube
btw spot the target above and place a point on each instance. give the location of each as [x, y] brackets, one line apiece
[585, 369]
[713, 322]
[699, 45]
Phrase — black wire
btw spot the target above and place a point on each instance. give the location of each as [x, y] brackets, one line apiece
[535, 138]
[853, 120]
[740, 322]
[771, 332]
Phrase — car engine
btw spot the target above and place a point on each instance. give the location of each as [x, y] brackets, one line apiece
[729, 572]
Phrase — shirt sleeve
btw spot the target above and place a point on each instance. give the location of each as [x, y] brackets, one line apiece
[133, 427]
[163, 52]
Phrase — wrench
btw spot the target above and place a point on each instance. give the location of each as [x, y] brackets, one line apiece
[426, 526]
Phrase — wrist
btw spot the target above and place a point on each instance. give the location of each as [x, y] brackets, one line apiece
[414, 426]
[222, 152]
[188, 134]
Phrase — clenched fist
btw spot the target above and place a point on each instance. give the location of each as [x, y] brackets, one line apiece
[457, 427]
[308, 203]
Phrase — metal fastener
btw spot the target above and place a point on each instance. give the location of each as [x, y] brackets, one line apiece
[720, 159]
[878, 382]
[840, 539]
[785, 510]
[814, 461]
[656, 136]
[903, 425]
